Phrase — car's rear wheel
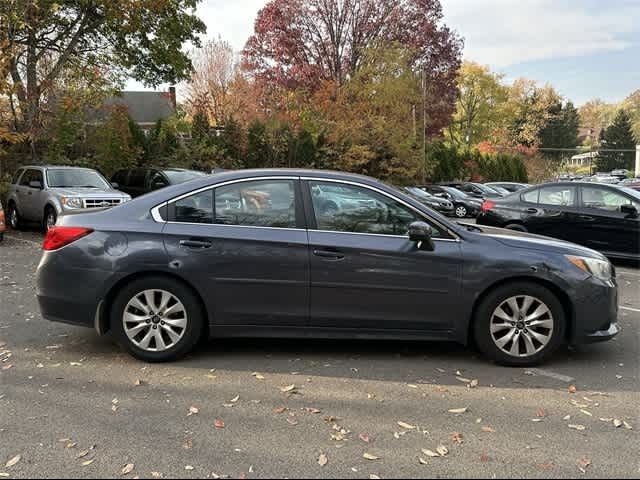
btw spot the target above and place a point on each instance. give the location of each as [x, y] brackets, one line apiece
[517, 227]
[519, 324]
[461, 211]
[14, 217]
[49, 220]
[157, 319]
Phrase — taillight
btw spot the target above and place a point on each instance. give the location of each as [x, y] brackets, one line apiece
[488, 205]
[58, 237]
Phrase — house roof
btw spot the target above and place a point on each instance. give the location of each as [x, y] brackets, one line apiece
[145, 107]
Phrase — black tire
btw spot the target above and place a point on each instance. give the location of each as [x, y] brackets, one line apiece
[15, 221]
[461, 211]
[49, 212]
[194, 330]
[484, 313]
[517, 227]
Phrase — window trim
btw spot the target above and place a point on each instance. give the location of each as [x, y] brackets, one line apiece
[157, 217]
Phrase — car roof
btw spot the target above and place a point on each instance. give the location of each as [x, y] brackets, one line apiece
[57, 167]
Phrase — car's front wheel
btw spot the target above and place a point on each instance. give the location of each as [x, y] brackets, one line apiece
[519, 324]
[461, 211]
[157, 319]
[49, 220]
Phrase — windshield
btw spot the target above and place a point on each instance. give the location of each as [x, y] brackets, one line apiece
[455, 193]
[76, 178]
[630, 191]
[487, 188]
[178, 176]
[501, 190]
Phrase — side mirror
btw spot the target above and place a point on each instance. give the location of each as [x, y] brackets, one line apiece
[629, 210]
[422, 233]
[115, 185]
[35, 184]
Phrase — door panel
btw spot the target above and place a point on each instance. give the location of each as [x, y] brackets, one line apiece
[382, 282]
[253, 269]
[603, 225]
[366, 273]
[555, 214]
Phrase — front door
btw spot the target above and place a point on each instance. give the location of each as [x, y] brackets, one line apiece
[604, 226]
[248, 253]
[366, 274]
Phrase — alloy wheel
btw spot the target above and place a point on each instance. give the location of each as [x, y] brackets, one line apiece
[13, 218]
[461, 212]
[50, 220]
[155, 320]
[522, 326]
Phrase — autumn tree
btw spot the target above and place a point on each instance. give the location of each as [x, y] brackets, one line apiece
[215, 72]
[45, 38]
[305, 43]
[480, 108]
[632, 106]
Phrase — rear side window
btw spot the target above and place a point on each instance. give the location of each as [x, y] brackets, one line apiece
[263, 203]
[197, 208]
[532, 196]
[136, 179]
[120, 178]
[558, 195]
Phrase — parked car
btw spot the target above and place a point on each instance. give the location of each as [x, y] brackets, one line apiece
[603, 178]
[179, 264]
[441, 205]
[620, 174]
[510, 187]
[475, 190]
[464, 205]
[43, 193]
[598, 216]
[139, 181]
[3, 226]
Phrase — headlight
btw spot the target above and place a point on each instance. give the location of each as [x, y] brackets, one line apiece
[72, 203]
[598, 268]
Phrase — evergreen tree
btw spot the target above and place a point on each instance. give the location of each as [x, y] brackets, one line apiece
[619, 136]
[200, 127]
[258, 149]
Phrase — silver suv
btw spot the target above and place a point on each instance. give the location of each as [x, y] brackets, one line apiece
[42, 193]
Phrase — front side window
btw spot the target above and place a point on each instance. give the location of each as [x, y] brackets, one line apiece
[558, 195]
[605, 199]
[354, 209]
[31, 176]
[197, 208]
[260, 203]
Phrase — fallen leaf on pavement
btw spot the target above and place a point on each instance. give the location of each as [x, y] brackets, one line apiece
[257, 376]
[88, 462]
[193, 411]
[314, 411]
[83, 454]
[457, 438]
[323, 460]
[583, 464]
[430, 453]
[488, 430]
[484, 458]
[474, 383]
[288, 389]
[545, 466]
[235, 399]
[407, 426]
[14, 461]
[368, 456]
[617, 423]
[541, 413]
[573, 389]
[127, 469]
[423, 461]
[219, 424]
[580, 428]
[442, 451]
[458, 411]
[292, 421]
[364, 438]
[374, 477]
[280, 410]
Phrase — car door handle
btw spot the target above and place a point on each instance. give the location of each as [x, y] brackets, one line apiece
[587, 218]
[329, 254]
[196, 244]
[532, 210]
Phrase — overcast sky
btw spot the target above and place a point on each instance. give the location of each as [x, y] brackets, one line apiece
[585, 48]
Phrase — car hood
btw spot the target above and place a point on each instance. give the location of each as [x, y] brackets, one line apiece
[89, 193]
[515, 239]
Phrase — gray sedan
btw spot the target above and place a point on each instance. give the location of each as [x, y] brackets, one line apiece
[255, 254]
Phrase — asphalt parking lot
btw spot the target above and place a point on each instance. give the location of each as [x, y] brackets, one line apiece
[73, 405]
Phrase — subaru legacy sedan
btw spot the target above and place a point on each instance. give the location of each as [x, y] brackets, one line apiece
[259, 254]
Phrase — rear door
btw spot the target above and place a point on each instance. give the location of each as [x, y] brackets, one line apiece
[604, 227]
[249, 253]
[365, 272]
[553, 211]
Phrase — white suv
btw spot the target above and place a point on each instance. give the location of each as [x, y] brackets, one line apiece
[42, 193]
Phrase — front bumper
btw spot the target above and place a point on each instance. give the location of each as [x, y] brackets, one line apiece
[595, 312]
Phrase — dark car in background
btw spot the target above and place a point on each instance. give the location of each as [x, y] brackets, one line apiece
[510, 187]
[439, 204]
[599, 216]
[476, 190]
[464, 206]
[137, 182]
[257, 254]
